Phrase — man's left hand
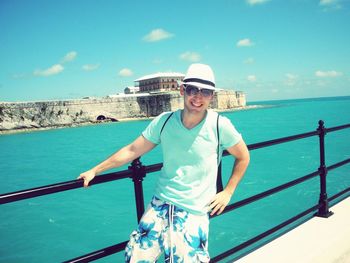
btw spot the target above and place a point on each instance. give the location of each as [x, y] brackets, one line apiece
[219, 202]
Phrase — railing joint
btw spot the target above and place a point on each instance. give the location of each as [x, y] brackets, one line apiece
[322, 131]
[138, 170]
[138, 173]
[323, 170]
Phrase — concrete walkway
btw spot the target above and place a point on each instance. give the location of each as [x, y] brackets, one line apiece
[319, 240]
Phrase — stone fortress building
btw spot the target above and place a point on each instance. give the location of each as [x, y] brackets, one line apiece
[152, 95]
[160, 82]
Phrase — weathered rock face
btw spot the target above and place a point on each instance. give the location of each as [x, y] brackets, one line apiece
[227, 99]
[27, 115]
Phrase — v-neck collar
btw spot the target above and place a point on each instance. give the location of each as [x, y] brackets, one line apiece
[195, 127]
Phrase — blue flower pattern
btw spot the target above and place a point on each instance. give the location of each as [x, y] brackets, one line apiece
[198, 243]
[160, 207]
[179, 218]
[147, 235]
[153, 236]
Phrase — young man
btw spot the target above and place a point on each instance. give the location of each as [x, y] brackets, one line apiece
[176, 221]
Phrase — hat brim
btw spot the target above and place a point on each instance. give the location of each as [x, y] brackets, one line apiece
[200, 85]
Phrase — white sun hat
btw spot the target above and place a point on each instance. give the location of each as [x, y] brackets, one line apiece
[201, 76]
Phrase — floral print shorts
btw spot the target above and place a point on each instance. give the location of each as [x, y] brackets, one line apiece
[182, 236]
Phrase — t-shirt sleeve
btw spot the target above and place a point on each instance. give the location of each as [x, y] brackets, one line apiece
[229, 136]
[152, 131]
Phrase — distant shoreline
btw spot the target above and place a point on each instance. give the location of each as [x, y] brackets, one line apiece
[256, 102]
[74, 125]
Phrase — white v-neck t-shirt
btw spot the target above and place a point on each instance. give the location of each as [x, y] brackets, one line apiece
[190, 158]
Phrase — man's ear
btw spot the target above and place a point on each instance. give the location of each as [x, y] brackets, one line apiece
[212, 96]
[182, 90]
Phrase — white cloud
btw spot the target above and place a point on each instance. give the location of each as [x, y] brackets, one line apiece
[291, 76]
[69, 57]
[328, 2]
[330, 5]
[55, 69]
[90, 67]
[125, 72]
[246, 42]
[249, 61]
[291, 79]
[157, 35]
[190, 56]
[328, 74]
[251, 78]
[256, 2]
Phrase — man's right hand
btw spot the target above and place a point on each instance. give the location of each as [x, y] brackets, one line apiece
[87, 176]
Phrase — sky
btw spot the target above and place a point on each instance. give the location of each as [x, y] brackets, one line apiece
[269, 49]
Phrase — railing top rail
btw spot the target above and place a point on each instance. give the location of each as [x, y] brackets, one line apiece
[337, 128]
[60, 187]
[282, 140]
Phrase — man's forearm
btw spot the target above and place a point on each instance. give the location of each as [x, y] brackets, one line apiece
[221, 199]
[238, 171]
[125, 155]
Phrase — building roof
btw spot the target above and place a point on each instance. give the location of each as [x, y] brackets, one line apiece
[161, 75]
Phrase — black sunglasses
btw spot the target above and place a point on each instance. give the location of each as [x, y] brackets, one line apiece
[193, 90]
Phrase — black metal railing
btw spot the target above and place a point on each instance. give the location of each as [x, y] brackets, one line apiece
[136, 171]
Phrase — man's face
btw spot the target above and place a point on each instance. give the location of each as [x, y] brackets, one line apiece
[195, 99]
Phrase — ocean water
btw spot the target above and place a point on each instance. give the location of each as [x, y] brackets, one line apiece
[66, 225]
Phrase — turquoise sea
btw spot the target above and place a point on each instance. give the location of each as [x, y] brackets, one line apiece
[62, 226]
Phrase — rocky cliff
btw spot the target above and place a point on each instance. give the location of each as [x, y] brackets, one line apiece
[51, 114]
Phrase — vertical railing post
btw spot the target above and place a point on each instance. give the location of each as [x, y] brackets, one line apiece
[323, 211]
[138, 173]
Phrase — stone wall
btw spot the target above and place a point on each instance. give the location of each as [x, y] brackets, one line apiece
[46, 114]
